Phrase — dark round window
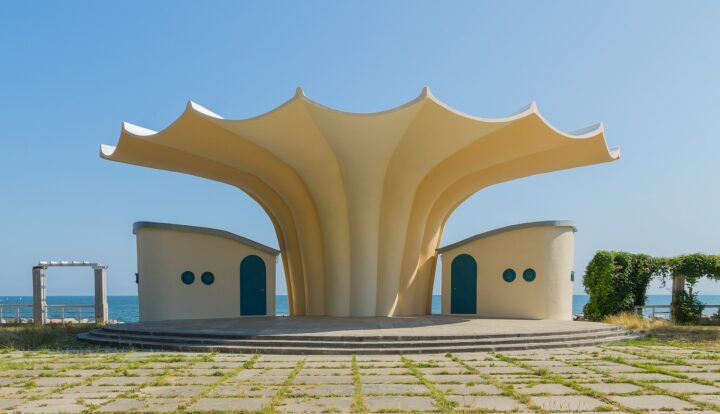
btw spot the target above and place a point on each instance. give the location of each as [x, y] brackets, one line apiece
[509, 275]
[187, 277]
[572, 276]
[529, 275]
[208, 278]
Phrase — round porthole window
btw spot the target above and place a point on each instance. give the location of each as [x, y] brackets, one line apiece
[187, 277]
[572, 276]
[509, 275]
[529, 275]
[208, 278]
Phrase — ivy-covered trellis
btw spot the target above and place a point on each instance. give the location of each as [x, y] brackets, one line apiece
[617, 282]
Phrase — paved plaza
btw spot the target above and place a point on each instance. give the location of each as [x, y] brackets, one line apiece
[609, 378]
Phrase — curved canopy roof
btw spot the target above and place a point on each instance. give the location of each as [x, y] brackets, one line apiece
[359, 200]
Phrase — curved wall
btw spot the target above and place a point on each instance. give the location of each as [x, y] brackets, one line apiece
[166, 251]
[545, 247]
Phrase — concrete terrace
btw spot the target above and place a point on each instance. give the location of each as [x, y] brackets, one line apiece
[636, 379]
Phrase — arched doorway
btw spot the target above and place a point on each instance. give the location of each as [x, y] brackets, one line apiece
[252, 286]
[463, 285]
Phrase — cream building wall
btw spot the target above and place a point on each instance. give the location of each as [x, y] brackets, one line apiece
[165, 251]
[547, 247]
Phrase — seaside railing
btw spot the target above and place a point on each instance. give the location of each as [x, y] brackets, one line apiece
[640, 310]
[15, 312]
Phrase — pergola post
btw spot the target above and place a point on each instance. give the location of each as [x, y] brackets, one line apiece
[39, 301]
[101, 306]
[678, 288]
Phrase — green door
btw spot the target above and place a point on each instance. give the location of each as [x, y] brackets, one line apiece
[463, 285]
[252, 286]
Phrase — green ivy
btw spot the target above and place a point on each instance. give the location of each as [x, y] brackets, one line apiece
[617, 281]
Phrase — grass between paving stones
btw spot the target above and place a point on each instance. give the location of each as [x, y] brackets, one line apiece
[86, 381]
[558, 379]
[443, 404]
[284, 389]
[507, 390]
[358, 405]
[223, 379]
[657, 390]
[157, 381]
[674, 360]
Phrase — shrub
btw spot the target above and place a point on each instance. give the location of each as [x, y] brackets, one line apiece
[687, 308]
[616, 282]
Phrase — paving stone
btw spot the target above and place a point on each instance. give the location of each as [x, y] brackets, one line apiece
[710, 376]
[552, 389]
[51, 406]
[279, 372]
[322, 379]
[122, 405]
[162, 405]
[649, 376]
[325, 389]
[684, 368]
[568, 369]
[713, 399]
[687, 387]
[6, 403]
[517, 378]
[616, 368]
[9, 391]
[545, 363]
[317, 405]
[56, 381]
[146, 372]
[394, 389]
[121, 380]
[494, 403]
[341, 363]
[4, 382]
[455, 378]
[399, 403]
[243, 391]
[229, 404]
[389, 379]
[172, 390]
[384, 371]
[487, 389]
[20, 373]
[503, 370]
[652, 402]
[612, 387]
[327, 371]
[444, 370]
[567, 403]
[192, 380]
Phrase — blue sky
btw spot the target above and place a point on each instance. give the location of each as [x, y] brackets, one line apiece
[70, 72]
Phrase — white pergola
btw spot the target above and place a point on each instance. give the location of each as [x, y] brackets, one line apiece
[39, 298]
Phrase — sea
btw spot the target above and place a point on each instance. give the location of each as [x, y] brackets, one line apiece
[125, 308]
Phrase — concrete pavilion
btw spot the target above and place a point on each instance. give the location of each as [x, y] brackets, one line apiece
[359, 201]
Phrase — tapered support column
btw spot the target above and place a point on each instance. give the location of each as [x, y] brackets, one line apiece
[101, 306]
[678, 288]
[39, 302]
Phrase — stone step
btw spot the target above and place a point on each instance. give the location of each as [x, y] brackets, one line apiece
[125, 330]
[320, 342]
[150, 343]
